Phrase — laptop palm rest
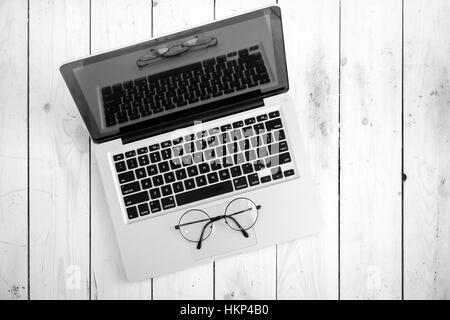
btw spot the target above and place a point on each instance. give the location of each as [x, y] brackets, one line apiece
[223, 239]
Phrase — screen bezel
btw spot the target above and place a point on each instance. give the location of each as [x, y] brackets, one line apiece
[67, 71]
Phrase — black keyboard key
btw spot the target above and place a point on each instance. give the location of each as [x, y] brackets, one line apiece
[204, 193]
[259, 165]
[130, 188]
[142, 150]
[278, 147]
[212, 177]
[240, 183]
[143, 209]
[132, 163]
[175, 163]
[132, 213]
[154, 147]
[143, 160]
[289, 173]
[178, 187]
[152, 170]
[169, 177]
[250, 121]
[253, 179]
[158, 180]
[146, 183]
[203, 168]
[279, 135]
[266, 179]
[273, 124]
[224, 174]
[247, 168]
[192, 171]
[200, 180]
[166, 190]
[238, 124]
[236, 171]
[168, 203]
[155, 157]
[155, 206]
[215, 165]
[155, 193]
[181, 174]
[140, 173]
[130, 154]
[274, 114]
[166, 144]
[276, 173]
[259, 128]
[126, 177]
[120, 166]
[166, 154]
[177, 140]
[262, 117]
[225, 127]
[189, 184]
[136, 198]
[118, 157]
[163, 166]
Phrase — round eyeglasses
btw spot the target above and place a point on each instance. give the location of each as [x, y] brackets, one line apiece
[176, 49]
[196, 225]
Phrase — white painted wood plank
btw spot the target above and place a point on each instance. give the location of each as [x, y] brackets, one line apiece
[114, 23]
[197, 282]
[59, 155]
[251, 275]
[371, 51]
[13, 150]
[308, 268]
[427, 149]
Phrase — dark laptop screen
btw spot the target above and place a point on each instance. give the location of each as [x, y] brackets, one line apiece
[157, 79]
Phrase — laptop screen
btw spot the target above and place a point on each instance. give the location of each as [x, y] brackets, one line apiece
[234, 58]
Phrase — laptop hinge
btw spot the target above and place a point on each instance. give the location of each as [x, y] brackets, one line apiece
[154, 129]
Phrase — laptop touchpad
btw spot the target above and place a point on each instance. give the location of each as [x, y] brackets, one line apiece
[224, 239]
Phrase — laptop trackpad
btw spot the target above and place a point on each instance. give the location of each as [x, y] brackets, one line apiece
[223, 239]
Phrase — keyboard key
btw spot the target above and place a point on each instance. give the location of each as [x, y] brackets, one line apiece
[259, 165]
[187, 160]
[250, 121]
[200, 180]
[236, 171]
[279, 135]
[166, 190]
[126, 177]
[155, 206]
[212, 177]
[118, 157]
[198, 157]
[152, 170]
[136, 198]
[132, 212]
[169, 177]
[276, 173]
[142, 150]
[203, 168]
[155, 193]
[143, 160]
[132, 163]
[225, 127]
[204, 193]
[273, 124]
[155, 157]
[215, 165]
[166, 144]
[168, 203]
[240, 183]
[158, 180]
[120, 166]
[247, 168]
[278, 147]
[214, 130]
[130, 154]
[239, 158]
[175, 163]
[189, 184]
[274, 114]
[177, 140]
[278, 159]
[181, 174]
[166, 154]
[224, 174]
[140, 173]
[238, 124]
[262, 117]
[146, 183]
[289, 173]
[154, 147]
[192, 171]
[253, 179]
[259, 128]
[143, 209]
[178, 187]
[163, 166]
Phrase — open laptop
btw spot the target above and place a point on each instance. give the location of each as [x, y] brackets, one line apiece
[198, 143]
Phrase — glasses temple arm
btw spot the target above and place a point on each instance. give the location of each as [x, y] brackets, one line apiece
[199, 244]
[244, 232]
[192, 222]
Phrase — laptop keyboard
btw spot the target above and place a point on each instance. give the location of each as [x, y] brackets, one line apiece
[235, 156]
[177, 88]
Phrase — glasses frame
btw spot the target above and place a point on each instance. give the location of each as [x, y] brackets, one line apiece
[141, 62]
[209, 221]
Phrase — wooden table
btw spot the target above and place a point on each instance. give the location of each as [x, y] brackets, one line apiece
[372, 90]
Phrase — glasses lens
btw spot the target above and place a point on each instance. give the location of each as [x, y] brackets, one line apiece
[192, 224]
[241, 213]
[198, 41]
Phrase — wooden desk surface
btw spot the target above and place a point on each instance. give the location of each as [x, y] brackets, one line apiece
[372, 90]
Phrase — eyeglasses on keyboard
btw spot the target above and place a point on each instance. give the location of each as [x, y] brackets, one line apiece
[198, 166]
[180, 87]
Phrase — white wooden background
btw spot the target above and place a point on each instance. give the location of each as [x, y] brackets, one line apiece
[371, 83]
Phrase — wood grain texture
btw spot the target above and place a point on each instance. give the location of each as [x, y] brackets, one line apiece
[59, 155]
[308, 268]
[197, 282]
[371, 64]
[427, 149]
[13, 150]
[114, 23]
[251, 275]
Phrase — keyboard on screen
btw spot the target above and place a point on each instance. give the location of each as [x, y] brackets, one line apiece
[233, 157]
[181, 87]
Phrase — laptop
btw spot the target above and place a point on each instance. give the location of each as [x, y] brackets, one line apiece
[198, 144]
